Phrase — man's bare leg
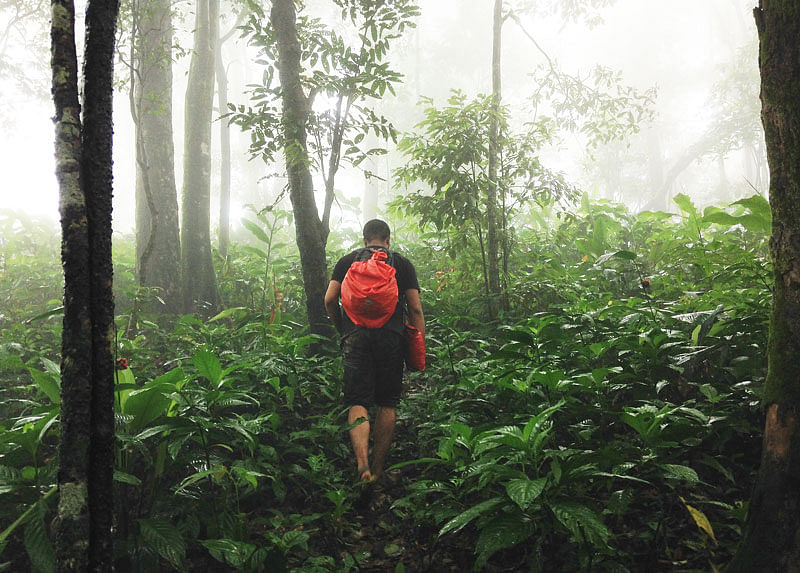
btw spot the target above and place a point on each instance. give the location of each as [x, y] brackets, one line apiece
[384, 430]
[359, 437]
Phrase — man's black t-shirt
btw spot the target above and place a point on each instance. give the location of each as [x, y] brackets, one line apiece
[406, 277]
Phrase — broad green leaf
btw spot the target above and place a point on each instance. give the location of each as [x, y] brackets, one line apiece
[523, 491]
[48, 384]
[685, 203]
[125, 384]
[233, 311]
[147, 404]
[51, 367]
[502, 532]
[625, 255]
[129, 479]
[37, 542]
[208, 366]
[758, 205]
[234, 553]
[462, 519]
[680, 472]
[721, 218]
[166, 539]
[581, 522]
[47, 314]
[257, 231]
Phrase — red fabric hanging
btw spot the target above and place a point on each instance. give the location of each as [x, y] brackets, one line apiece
[369, 291]
[415, 349]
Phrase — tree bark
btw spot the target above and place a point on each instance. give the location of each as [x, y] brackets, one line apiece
[157, 234]
[494, 153]
[83, 170]
[197, 267]
[97, 179]
[224, 143]
[772, 535]
[72, 527]
[309, 229]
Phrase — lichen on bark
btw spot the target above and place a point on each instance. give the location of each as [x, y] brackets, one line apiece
[72, 500]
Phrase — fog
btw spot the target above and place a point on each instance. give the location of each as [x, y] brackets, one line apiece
[700, 57]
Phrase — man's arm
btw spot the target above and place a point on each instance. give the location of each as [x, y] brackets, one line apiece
[332, 304]
[415, 316]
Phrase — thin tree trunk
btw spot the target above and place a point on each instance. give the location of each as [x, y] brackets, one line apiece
[309, 230]
[83, 170]
[97, 180]
[72, 527]
[197, 267]
[494, 152]
[224, 146]
[157, 233]
[772, 535]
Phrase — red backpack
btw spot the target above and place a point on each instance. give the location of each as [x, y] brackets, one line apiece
[369, 289]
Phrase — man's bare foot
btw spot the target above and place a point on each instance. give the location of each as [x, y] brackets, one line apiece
[365, 475]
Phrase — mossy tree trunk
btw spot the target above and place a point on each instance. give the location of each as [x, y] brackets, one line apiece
[197, 266]
[83, 169]
[772, 535]
[310, 231]
[157, 235]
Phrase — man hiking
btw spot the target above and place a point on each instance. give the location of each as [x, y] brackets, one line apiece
[376, 286]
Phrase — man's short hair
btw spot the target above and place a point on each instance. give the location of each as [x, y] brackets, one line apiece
[376, 229]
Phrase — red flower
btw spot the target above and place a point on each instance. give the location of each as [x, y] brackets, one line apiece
[122, 363]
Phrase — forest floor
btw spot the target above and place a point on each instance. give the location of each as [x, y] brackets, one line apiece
[377, 536]
[391, 543]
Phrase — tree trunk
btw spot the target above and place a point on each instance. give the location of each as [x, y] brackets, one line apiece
[97, 179]
[157, 236]
[83, 169]
[310, 232]
[494, 152]
[224, 144]
[72, 528]
[772, 535]
[197, 266]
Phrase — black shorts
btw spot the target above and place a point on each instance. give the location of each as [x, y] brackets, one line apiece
[373, 367]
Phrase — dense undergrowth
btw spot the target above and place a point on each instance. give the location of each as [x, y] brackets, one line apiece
[608, 421]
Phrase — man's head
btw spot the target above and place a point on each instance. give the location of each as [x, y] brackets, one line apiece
[376, 232]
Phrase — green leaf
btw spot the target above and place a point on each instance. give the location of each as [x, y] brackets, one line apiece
[37, 543]
[758, 205]
[523, 491]
[257, 231]
[235, 553]
[235, 310]
[129, 479]
[624, 255]
[680, 472]
[581, 522]
[685, 203]
[166, 539]
[46, 314]
[502, 532]
[208, 366]
[147, 404]
[48, 384]
[414, 462]
[462, 519]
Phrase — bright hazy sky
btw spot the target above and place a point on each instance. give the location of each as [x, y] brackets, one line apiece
[677, 39]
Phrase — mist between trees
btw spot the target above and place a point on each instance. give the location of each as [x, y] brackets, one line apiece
[583, 187]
